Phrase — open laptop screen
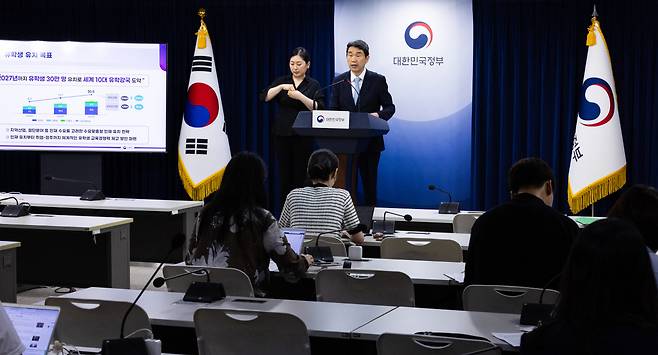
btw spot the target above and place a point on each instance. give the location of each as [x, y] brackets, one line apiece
[295, 238]
[34, 324]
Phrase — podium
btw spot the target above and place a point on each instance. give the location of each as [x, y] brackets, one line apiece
[346, 143]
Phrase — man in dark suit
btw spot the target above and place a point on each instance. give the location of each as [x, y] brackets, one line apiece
[523, 242]
[368, 92]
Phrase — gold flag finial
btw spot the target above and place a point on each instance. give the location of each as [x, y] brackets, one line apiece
[591, 36]
[203, 31]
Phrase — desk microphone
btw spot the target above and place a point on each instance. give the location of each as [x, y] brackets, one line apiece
[176, 242]
[322, 253]
[535, 313]
[318, 91]
[159, 281]
[93, 194]
[407, 217]
[445, 207]
[17, 210]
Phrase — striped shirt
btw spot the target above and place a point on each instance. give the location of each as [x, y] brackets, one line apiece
[319, 209]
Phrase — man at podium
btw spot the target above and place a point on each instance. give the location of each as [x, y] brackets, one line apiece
[364, 91]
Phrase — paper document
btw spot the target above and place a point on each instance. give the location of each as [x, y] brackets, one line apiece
[513, 339]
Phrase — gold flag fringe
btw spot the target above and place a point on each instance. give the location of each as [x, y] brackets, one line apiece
[596, 190]
[201, 190]
[591, 37]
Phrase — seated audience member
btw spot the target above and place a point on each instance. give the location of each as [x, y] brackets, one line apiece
[235, 230]
[608, 302]
[523, 242]
[321, 207]
[10, 343]
[639, 205]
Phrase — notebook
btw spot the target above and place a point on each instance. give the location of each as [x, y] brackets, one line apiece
[295, 238]
[35, 326]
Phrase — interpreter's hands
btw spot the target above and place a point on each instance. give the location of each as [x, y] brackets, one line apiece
[288, 87]
[295, 94]
[378, 235]
[309, 258]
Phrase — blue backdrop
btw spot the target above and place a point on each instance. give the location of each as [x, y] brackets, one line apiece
[424, 48]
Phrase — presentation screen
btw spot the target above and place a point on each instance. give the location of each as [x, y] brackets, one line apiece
[81, 96]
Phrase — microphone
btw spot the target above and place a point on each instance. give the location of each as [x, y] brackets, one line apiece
[433, 187]
[137, 345]
[318, 91]
[159, 281]
[407, 217]
[536, 313]
[445, 207]
[93, 194]
[176, 242]
[322, 254]
[17, 210]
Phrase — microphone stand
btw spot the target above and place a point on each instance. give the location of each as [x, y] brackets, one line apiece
[446, 207]
[158, 282]
[407, 217]
[322, 253]
[315, 95]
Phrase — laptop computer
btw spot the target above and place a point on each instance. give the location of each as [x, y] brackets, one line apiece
[295, 238]
[365, 215]
[35, 326]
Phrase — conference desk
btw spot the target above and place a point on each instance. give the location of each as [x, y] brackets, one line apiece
[429, 220]
[461, 238]
[167, 309]
[8, 271]
[409, 320]
[323, 319]
[155, 222]
[70, 250]
[421, 272]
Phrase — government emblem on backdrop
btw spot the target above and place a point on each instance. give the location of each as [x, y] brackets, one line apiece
[598, 160]
[203, 148]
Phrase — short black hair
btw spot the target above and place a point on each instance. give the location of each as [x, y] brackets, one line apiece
[321, 164]
[302, 52]
[529, 172]
[360, 44]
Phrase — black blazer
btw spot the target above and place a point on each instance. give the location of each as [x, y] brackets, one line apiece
[289, 108]
[373, 97]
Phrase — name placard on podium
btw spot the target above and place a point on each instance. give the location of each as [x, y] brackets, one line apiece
[331, 119]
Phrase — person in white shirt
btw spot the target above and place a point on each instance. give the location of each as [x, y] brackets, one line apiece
[10, 343]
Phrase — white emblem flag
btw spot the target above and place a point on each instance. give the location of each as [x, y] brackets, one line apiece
[598, 160]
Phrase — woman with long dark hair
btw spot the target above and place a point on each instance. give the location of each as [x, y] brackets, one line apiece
[235, 230]
[608, 299]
